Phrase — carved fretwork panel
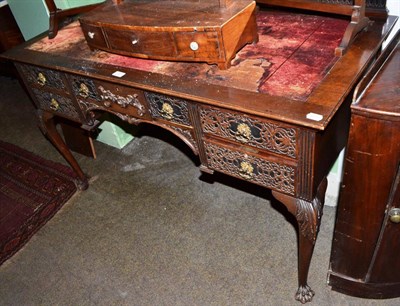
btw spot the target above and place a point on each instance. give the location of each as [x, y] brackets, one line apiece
[261, 134]
[57, 104]
[168, 108]
[84, 88]
[42, 77]
[274, 175]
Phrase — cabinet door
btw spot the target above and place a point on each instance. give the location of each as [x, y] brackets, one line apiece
[387, 264]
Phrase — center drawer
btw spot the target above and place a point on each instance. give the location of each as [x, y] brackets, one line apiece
[122, 100]
[141, 43]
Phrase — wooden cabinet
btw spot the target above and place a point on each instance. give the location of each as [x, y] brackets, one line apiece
[364, 260]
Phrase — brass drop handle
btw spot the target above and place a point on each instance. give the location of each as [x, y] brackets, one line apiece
[243, 133]
[246, 170]
[167, 111]
[83, 90]
[41, 79]
[394, 215]
[54, 104]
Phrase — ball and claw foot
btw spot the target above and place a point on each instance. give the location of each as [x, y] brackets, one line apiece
[304, 294]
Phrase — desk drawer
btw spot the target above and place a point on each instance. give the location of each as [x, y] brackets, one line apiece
[251, 131]
[118, 99]
[168, 108]
[273, 174]
[60, 105]
[42, 77]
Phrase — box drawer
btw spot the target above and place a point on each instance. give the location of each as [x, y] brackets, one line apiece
[198, 45]
[143, 44]
[94, 35]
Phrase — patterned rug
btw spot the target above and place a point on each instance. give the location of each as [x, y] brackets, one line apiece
[32, 190]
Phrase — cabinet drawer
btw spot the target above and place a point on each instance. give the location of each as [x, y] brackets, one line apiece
[94, 35]
[256, 132]
[198, 45]
[272, 174]
[42, 77]
[141, 43]
[93, 94]
[58, 104]
[168, 108]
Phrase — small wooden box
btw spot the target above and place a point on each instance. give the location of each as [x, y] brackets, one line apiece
[201, 31]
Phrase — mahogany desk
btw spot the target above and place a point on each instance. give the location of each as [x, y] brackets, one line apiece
[278, 117]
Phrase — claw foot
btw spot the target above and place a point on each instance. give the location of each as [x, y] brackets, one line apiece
[304, 294]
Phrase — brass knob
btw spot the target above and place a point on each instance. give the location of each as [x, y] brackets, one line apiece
[83, 90]
[167, 111]
[246, 170]
[54, 104]
[394, 215]
[41, 79]
[243, 132]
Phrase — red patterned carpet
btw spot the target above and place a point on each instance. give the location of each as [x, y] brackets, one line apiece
[32, 190]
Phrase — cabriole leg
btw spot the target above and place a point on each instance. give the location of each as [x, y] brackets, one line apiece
[308, 216]
[48, 128]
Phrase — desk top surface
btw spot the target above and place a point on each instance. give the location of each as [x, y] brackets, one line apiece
[292, 71]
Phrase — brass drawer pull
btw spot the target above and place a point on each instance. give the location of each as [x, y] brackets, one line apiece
[167, 111]
[243, 133]
[83, 90]
[41, 79]
[394, 215]
[54, 104]
[246, 170]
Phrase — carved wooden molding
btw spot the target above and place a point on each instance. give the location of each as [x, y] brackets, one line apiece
[129, 100]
